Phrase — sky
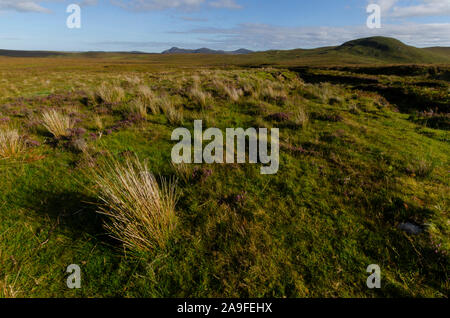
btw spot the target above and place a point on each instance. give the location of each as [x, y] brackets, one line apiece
[156, 25]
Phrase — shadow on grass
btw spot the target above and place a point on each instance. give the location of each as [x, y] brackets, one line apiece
[405, 100]
[73, 212]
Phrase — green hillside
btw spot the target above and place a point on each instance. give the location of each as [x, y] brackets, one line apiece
[439, 50]
[389, 49]
[374, 50]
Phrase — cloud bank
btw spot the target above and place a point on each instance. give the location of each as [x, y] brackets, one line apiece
[420, 8]
[265, 36]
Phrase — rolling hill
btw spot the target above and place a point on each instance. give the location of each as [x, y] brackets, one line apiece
[366, 51]
[390, 49]
[373, 50]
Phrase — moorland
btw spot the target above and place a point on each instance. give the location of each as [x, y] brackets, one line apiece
[86, 175]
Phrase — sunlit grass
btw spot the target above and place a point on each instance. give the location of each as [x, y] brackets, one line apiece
[141, 212]
[57, 123]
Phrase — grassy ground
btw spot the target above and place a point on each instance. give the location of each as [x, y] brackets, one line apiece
[353, 166]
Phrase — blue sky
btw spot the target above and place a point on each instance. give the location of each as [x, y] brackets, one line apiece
[155, 25]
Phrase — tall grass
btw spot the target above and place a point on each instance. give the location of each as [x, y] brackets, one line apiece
[146, 94]
[57, 123]
[11, 143]
[110, 94]
[197, 94]
[98, 122]
[273, 93]
[148, 99]
[300, 114]
[301, 117]
[141, 213]
[173, 114]
[233, 93]
[139, 107]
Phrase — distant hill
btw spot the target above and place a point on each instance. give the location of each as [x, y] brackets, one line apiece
[367, 51]
[176, 50]
[15, 53]
[390, 49]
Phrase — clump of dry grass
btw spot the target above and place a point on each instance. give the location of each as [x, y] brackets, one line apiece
[98, 122]
[57, 123]
[110, 94]
[323, 92]
[300, 117]
[11, 143]
[132, 80]
[146, 94]
[173, 114]
[155, 106]
[197, 94]
[148, 100]
[233, 93]
[271, 93]
[139, 108]
[142, 213]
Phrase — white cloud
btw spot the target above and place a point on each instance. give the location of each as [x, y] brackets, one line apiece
[386, 5]
[23, 6]
[88, 3]
[228, 4]
[35, 5]
[264, 36]
[149, 5]
[404, 9]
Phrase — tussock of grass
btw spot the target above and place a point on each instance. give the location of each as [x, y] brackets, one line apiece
[173, 114]
[57, 123]
[273, 94]
[11, 143]
[197, 94]
[146, 94]
[141, 213]
[300, 116]
[98, 122]
[138, 107]
[111, 94]
[232, 93]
